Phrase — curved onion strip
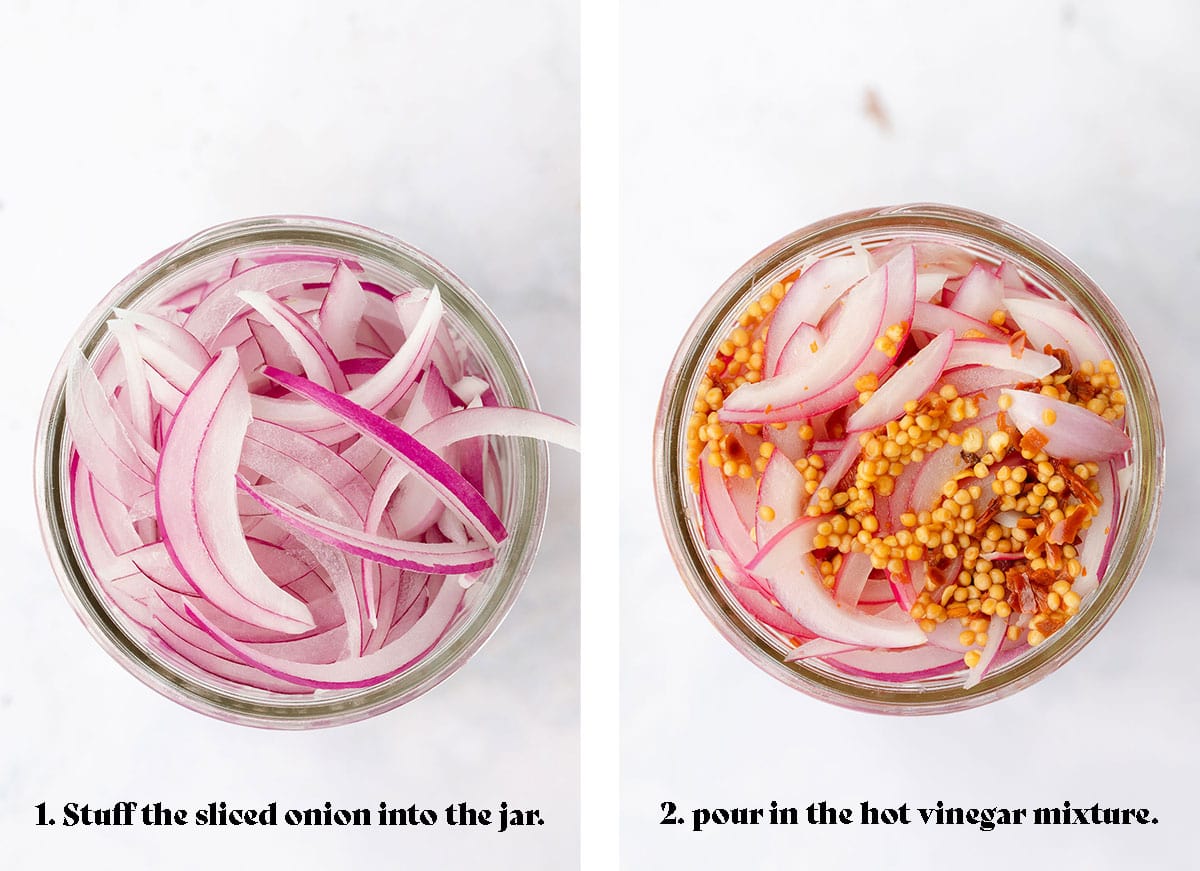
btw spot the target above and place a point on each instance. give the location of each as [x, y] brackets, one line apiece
[309, 348]
[1077, 337]
[899, 666]
[937, 319]
[372, 669]
[459, 495]
[412, 555]
[780, 494]
[819, 647]
[136, 389]
[800, 350]
[199, 519]
[1093, 553]
[1070, 431]
[985, 352]
[995, 633]
[341, 310]
[208, 319]
[182, 343]
[980, 294]
[377, 394]
[847, 345]
[815, 291]
[852, 577]
[100, 438]
[781, 565]
[916, 377]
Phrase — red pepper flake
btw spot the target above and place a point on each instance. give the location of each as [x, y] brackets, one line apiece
[1063, 358]
[1017, 343]
[1074, 523]
[1033, 441]
[1078, 487]
[1081, 386]
[1048, 624]
[992, 509]
[1020, 591]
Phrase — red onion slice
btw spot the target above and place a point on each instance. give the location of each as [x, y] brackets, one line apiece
[810, 297]
[100, 438]
[412, 555]
[199, 519]
[781, 566]
[846, 347]
[1077, 337]
[1070, 431]
[936, 319]
[999, 355]
[459, 495]
[912, 380]
[342, 309]
[306, 344]
[980, 294]
[369, 670]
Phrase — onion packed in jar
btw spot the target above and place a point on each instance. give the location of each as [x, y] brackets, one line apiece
[906, 457]
[292, 467]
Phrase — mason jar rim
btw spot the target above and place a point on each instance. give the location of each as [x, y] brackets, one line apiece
[525, 474]
[988, 237]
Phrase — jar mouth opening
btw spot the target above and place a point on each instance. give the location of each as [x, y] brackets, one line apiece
[523, 465]
[991, 239]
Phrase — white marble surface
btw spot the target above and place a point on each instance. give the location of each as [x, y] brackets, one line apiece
[1078, 121]
[127, 126]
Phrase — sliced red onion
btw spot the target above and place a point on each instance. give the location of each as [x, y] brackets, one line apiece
[800, 350]
[414, 556]
[980, 294]
[819, 647]
[727, 523]
[341, 310]
[1097, 544]
[293, 573]
[847, 346]
[996, 630]
[199, 520]
[459, 495]
[899, 666]
[937, 319]
[913, 379]
[100, 437]
[369, 670]
[1077, 337]
[781, 564]
[208, 319]
[852, 578]
[377, 394]
[1070, 430]
[986, 352]
[779, 497]
[815, 291]
[305, 343]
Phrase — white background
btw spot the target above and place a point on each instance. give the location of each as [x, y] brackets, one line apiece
[742, 122]
[125, 127]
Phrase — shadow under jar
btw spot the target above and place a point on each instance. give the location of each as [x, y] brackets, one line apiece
[746, 606]
[479, 347]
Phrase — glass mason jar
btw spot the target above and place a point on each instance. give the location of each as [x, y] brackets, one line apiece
[992, 240]
[523, 463]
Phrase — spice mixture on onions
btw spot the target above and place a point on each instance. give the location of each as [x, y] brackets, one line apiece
[906, 461]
